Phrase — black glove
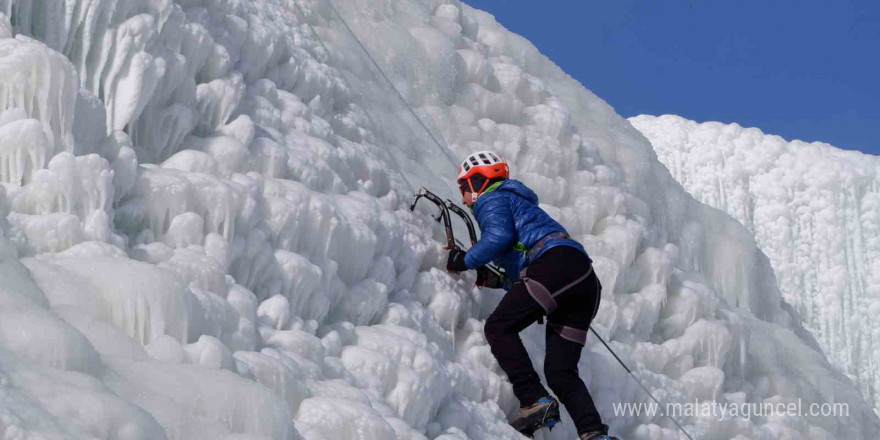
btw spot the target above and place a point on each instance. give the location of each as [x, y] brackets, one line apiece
[455, 262]
[487, 278]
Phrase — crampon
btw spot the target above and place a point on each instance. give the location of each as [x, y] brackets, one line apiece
[542, 414]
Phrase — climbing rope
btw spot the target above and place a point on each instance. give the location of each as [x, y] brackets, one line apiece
[640, 383]
[442, 147]
[366, 112]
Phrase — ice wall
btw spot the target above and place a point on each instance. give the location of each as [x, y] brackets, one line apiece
[814, 211]
[207, 230]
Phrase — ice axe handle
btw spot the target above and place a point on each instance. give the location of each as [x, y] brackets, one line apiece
[450, 239]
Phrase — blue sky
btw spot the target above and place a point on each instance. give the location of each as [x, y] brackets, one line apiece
[805, 69]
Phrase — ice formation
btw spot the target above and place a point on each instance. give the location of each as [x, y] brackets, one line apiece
[815, 212]
[206, 233]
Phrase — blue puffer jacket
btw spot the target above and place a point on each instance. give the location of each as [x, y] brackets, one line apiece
[507, 215]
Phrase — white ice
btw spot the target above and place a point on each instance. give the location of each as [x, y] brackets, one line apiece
[815, 212]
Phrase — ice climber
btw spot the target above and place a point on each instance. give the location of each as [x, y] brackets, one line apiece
[549, 274]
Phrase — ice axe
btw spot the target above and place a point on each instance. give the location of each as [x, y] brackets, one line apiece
[445, 206]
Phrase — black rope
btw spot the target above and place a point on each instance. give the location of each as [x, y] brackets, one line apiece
[641, 385]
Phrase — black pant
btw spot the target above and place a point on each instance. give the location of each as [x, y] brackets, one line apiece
[577, 306]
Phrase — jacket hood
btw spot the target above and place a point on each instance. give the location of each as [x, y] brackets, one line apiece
[520, 189]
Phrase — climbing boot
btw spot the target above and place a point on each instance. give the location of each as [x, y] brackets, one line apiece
[542, 414]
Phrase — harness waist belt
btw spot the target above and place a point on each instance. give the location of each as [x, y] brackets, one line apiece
[542, 243]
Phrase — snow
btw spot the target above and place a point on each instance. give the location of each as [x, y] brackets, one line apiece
[813, 210]
[206, 232]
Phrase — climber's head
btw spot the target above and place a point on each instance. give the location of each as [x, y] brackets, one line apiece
[479, 171]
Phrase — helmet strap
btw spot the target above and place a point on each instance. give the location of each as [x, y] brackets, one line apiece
[475, 193]
[483, 188]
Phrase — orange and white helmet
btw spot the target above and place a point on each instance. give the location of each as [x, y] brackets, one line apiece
[488, 164]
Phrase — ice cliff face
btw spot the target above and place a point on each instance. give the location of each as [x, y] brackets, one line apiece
[815, 212]
[205, 233]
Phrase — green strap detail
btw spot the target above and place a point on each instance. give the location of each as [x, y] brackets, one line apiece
[492, 187]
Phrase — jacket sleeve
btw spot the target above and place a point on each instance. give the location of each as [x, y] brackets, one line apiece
[498, 232]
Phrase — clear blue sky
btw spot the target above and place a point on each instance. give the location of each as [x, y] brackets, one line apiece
[806, 69]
